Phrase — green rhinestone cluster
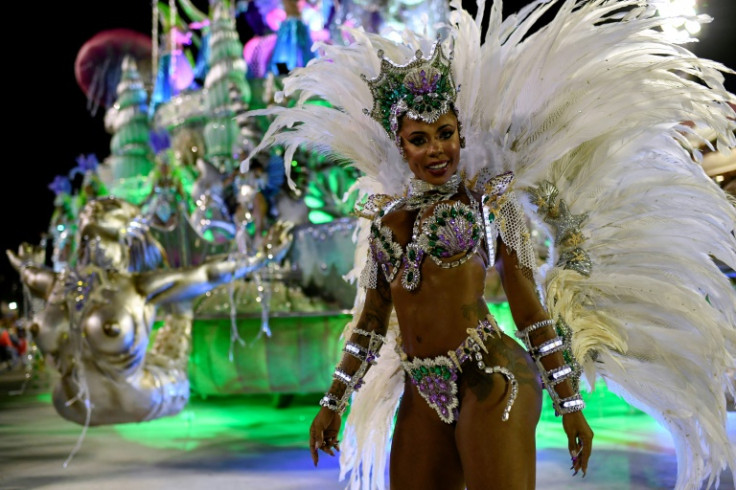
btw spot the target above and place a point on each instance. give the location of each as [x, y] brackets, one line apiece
[441, 220]
[424, 371]
[386, 245]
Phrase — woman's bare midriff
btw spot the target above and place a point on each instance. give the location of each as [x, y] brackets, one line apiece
[435, 317]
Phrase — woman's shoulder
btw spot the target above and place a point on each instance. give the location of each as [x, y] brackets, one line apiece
[488, 183]
[397, 219]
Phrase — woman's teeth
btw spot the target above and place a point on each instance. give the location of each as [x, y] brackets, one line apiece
[438, 166]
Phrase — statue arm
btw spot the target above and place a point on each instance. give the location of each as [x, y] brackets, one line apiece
[185, 284]
[38, 278]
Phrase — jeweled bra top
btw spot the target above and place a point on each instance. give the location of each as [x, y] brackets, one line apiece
[453, 228]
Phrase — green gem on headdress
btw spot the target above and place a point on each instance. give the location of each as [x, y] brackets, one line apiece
[422, 89]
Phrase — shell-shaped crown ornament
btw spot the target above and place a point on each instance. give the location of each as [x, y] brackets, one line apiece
[423, 89]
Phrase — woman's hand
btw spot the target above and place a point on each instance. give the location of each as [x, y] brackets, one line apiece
[323, 433]
[579, 440]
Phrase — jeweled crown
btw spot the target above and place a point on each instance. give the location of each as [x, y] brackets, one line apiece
[422, 89]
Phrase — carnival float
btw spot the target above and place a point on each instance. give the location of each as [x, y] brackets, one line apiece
[173, 185]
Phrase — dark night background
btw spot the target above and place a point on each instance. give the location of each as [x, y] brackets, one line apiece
[48, 125]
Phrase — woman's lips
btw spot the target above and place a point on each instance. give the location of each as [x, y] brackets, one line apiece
[438, 169]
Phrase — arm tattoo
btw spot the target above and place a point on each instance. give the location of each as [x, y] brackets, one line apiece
[377, 308]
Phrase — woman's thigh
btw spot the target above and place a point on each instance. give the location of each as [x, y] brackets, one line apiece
[495, 453]
[423, 452]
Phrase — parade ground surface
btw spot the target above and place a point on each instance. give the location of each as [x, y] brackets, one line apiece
[260, 442]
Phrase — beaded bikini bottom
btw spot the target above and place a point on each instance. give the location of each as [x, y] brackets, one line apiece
[436, 378]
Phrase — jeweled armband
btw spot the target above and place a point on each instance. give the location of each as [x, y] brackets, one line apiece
[367, 356]
[333, 403]
[552, 377]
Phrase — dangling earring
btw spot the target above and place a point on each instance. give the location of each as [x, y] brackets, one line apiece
[400, 147]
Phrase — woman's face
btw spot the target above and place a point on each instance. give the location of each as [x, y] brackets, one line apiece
[432, 150]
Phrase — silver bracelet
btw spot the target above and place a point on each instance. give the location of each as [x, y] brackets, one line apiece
[554, 376]
[571, 404]
[356, 350]
[547, 347]
[342, 376]
[352, 382]
[557, 375]
[534, 326]
[333, 403]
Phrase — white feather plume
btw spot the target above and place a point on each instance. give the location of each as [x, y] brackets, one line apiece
[597, 108]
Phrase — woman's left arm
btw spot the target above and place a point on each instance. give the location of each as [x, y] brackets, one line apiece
[537, 330]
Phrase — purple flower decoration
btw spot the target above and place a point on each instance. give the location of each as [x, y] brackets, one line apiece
[160, 141]
[85, 163]
[61, 185]
[422, 84]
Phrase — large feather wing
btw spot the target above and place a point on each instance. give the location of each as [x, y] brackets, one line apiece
[588, 112]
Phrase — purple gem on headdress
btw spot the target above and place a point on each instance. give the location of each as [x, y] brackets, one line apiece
[426, 87]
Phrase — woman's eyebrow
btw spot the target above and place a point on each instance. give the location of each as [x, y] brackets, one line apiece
[424, 133]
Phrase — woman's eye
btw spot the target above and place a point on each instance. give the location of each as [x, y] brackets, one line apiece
[418, 141]
[446, 135]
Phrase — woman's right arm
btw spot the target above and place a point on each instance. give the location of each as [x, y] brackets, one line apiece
[361, 351]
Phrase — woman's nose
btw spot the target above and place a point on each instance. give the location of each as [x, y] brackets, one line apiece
[435, 146]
